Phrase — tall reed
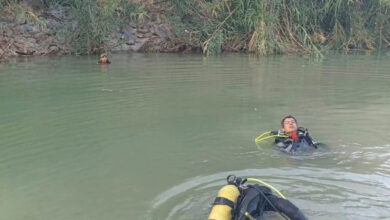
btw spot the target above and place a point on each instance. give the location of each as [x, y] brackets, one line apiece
[284, 26]
[94, 24]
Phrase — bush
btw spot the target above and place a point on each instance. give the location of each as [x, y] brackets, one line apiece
[282, 26]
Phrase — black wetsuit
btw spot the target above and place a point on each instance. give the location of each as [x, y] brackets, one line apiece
[289, 145]
[257, 199]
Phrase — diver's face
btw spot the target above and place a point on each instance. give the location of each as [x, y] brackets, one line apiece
[103, 59]
[289, 125]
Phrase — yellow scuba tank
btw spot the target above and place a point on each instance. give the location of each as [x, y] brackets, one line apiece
[224, 203]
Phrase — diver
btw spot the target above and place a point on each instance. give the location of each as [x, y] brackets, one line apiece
[298, 138]
[103, 59]
[240, 201]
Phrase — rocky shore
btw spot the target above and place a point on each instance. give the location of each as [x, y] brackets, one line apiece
[40, 32]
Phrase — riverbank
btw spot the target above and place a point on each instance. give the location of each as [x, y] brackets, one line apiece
[50, 27]
[29, 31]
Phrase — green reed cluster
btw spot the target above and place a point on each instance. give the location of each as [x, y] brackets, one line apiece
[283, 26]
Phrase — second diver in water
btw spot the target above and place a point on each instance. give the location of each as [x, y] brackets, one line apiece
[298, 138]
[103, 59]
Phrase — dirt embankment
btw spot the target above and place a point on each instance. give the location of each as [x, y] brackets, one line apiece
[29, 31]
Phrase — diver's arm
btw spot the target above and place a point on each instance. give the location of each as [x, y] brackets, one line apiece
[311, 141]
[286, 207]
[304, 133]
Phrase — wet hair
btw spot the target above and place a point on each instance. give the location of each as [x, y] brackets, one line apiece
[288, 116]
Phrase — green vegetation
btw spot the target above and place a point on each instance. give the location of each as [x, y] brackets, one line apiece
[283, 26]
[212, 26]
[96, 20]
[94, 23]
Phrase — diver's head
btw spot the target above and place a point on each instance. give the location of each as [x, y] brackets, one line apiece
[103, 58]
[289, 124]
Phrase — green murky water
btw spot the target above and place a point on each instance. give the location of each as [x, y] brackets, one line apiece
[153, 136]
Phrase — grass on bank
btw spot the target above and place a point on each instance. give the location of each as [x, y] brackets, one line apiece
[283, 26]
[97, 20]
[259, 26]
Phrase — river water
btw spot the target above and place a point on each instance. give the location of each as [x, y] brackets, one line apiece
[154, 136]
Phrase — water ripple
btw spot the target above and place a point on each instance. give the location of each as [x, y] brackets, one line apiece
[320, 193]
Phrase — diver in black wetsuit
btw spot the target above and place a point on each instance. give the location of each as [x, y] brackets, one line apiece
[103, 59]
[255, 200]
[298, 138]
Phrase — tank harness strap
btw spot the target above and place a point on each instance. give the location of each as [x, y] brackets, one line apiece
[256, 187]
[223, 201]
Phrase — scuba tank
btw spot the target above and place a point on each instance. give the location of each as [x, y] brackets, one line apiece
[237, 201]
[225, 202]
